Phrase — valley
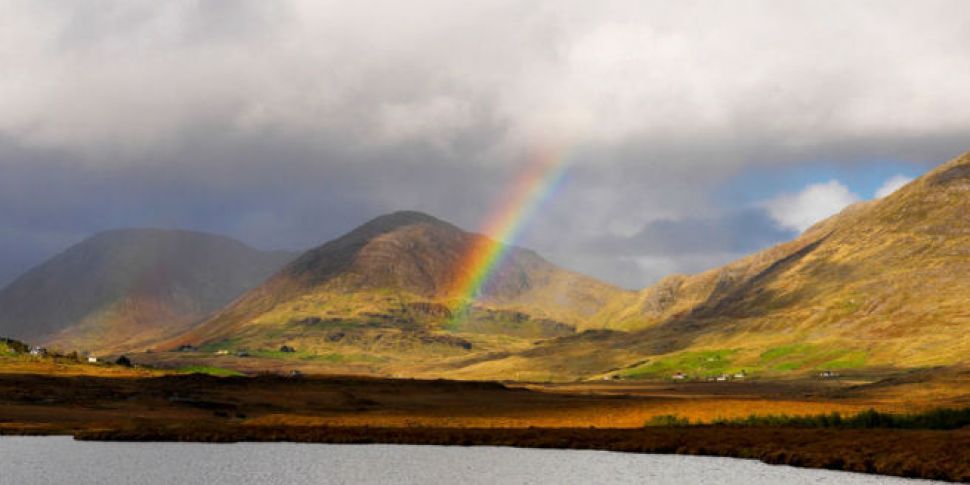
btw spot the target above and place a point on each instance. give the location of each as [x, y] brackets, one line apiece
[844, 348]
[880, 286]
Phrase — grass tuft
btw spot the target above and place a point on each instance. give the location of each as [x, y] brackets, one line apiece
[210, 370]
[667, 421]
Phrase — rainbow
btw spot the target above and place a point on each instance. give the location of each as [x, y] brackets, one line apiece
[543, 176]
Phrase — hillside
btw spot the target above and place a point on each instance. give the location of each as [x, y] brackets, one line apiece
[884, 284]
[122, 289]
[382, 296]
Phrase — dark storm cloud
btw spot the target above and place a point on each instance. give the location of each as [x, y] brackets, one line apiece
[286, 123]
[739, 232]
[266, 193]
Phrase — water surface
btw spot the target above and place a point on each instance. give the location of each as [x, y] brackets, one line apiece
[61, 460]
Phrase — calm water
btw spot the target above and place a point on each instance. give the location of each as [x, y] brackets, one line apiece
[65, 461]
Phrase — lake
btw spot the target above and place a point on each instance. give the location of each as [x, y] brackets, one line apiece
[61, 460]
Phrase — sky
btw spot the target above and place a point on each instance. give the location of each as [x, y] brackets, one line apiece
[692, 132]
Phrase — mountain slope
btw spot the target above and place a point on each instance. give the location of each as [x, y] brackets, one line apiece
[885, 283]
[120, 289]
[383, 293]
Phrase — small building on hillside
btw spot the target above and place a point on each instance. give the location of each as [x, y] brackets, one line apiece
[92, 359]
[679, 376]
[827, 374]
[740, 375]
[222, 352]
[38, 352]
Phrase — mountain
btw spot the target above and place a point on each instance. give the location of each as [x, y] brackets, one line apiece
[884, 284]
[384, 296]
[121, 289]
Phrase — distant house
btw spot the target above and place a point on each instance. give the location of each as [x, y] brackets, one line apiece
[222, 352]
[38, 351]
[287, 349]
[721, 378]
[827, 374]
[92, 359]
[679, 376]
[740, 375]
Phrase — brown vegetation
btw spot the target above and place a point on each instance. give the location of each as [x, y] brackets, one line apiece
[601, 415]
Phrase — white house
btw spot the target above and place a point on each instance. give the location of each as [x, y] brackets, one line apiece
[92, 359]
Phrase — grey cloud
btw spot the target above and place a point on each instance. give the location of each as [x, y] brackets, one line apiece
[667, 246]
[138, 75]
[738, 232]
[286, 123]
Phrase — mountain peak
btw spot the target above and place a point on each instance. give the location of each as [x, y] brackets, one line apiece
[396, 220]
[174, 238]
[122, 285]
[338, 255]
[408, 217]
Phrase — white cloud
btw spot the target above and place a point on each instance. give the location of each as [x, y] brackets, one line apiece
[891, 185]
[814, 203]
[142, 74]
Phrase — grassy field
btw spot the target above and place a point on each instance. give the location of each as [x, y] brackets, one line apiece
[209, 370]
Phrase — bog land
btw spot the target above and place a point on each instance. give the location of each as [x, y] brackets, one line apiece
[703, 418]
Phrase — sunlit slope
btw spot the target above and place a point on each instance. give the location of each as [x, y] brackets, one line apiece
[885, 283]
[384, 293]
[120, 290]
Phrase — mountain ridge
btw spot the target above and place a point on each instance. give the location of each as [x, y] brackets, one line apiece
[882, 283]
[123, 286]
[391, 280]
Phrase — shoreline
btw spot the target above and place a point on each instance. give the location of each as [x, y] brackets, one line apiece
[937, 455]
